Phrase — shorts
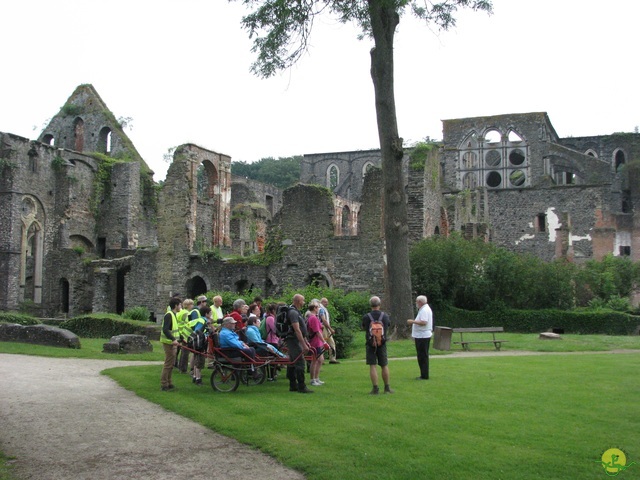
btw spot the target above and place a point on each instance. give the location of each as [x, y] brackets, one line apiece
[319, 351]
[377, 355]
[198, 360]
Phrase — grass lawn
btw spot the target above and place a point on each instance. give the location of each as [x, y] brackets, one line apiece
[527, 417]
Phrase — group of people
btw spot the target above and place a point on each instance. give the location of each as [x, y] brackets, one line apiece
[308, 332]
[240, 332]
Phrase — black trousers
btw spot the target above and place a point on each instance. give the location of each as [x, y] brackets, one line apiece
[422, 350]
[295, 372]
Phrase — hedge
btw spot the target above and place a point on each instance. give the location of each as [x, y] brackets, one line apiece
[19, 318]
[534, 321]
[106, 325]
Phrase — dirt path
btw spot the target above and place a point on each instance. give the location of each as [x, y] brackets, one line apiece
[62, 420]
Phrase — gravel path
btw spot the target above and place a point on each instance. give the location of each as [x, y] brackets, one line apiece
[62, 420]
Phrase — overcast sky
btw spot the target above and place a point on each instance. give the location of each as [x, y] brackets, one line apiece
[180, 70]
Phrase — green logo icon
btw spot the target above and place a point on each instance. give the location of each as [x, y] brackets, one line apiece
[614, 461]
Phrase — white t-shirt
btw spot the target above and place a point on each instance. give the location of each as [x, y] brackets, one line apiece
[423, 331]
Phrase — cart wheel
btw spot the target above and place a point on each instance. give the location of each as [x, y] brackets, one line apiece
[259, 378]
[225, 379]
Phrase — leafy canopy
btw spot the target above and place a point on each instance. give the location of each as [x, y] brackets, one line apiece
[282, 172]
[281, 28]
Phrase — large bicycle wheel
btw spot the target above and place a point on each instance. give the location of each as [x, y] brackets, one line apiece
[224, 379]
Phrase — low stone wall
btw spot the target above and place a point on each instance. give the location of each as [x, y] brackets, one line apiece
[39, 334]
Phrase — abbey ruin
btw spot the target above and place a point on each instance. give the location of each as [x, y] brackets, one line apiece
[84, 228]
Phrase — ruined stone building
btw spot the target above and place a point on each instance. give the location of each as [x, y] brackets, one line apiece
[511, 180]
[83, 226]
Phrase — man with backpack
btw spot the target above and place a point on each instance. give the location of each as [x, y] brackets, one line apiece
[421, 331]
[297, 344]
[375, 324]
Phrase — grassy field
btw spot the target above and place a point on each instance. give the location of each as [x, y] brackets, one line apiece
[527, 417]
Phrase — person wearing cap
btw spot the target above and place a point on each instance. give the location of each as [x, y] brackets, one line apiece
[228, 338]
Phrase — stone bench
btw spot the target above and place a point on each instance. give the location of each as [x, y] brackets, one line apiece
[38, 334]
[128, 343]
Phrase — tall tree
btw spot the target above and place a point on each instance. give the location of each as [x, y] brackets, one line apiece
[281, 29]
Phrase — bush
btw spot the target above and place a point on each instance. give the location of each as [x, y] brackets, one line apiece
[605, 322]
[141, 314]
[19, 318]
[106, 325]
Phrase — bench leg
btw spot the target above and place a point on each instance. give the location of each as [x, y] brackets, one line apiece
[498, 345]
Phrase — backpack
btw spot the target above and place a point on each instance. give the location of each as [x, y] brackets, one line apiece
[283, 326]
[197, 341]
[376, 331]
[263, 329]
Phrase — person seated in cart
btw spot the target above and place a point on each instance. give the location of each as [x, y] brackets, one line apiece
[255, 339]
[228, 338]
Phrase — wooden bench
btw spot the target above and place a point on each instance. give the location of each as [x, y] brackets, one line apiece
[491, 330]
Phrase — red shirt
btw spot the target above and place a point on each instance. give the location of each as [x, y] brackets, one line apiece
[238, 318]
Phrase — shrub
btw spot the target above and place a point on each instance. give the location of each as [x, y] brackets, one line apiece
[19, 318]
[105, 325]
[141, 314]
[605, 322]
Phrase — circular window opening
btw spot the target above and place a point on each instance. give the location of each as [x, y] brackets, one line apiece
[494, 179]
[470, 181]
[493, 158]
[516, 178]
[516, 157]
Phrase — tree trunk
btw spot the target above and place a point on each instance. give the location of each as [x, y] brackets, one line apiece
[398, 295]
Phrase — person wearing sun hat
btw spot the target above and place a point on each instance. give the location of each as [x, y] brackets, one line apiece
[229, 338]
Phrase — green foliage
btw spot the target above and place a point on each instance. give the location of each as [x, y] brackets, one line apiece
[615, 302]
[475, 275]
[71, 110]
[6, 163]
[142, 314]
[57, 162]
[6, 468]
[418, 154]
[78, 249]
[606, 322]
[19, 318]
[282, 172]
[105, 325]
[609, 277]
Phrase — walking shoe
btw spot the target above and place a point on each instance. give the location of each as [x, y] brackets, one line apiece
[319, 382]
[305, 390]
[374, 391]
[421, 378]
[316, 383]
[168, 389]
[193, 379]
[334, 361]
[387, 389]
[293, 389]
[198, 382]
